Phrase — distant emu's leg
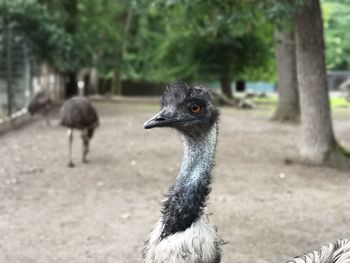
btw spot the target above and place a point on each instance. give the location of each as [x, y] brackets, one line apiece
[70, 142]
[85, 139]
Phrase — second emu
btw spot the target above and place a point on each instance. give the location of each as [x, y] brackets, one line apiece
[41, 103]
[78, 113]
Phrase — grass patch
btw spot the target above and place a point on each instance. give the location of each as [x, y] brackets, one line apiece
[267, 100]
[339, 102]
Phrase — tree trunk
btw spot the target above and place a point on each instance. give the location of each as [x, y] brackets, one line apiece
[226, 87]
[126, 19]
[93, 84]
[318, 145]
[288, 98]
[71, 88]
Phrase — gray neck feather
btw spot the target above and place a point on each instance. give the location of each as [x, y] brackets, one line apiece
[199, 153]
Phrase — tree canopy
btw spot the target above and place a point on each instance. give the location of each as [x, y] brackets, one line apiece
[46, 40]
[336, 22]
[166, 40]
[199, 40]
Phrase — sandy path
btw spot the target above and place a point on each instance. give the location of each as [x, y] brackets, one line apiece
[103, 211]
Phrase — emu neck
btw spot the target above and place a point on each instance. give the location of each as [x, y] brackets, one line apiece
[198, 160]
[186, 198]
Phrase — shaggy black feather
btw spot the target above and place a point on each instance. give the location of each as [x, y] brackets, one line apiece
[177, 92]
[218, 254]
[78, 113]
[180, 95]
[90, 132]
[184, 205]
[40, 103]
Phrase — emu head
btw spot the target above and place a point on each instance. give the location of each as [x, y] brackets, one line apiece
[187, 109]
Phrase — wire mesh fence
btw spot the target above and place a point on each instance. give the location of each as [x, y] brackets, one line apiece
[15, 71]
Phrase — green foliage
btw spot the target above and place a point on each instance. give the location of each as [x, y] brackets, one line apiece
[96, 28]
[98, 37]
[279, 11]
[337, 34]
[199, 40]
[47, 41]
[166, 40]
[228, 56]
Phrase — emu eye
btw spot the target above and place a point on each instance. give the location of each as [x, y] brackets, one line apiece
[195, 108]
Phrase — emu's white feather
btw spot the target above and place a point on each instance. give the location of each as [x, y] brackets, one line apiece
[197, 244]
[337, 252]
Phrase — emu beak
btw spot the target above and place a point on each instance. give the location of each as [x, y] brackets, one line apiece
[162, 119]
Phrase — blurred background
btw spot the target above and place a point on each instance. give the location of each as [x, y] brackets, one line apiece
[135, 47]
[278, 69]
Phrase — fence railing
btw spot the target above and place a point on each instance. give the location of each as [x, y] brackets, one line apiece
[15, 71]
[22, 75]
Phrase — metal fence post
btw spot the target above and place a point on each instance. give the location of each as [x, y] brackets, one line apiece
[27, 74]
[9, 67]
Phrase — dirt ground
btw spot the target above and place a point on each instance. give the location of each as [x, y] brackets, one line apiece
[267, 210]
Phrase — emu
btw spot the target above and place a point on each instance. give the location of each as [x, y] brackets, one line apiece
[41, 103]
[181, 235]
[336, 252]
[78, 113]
